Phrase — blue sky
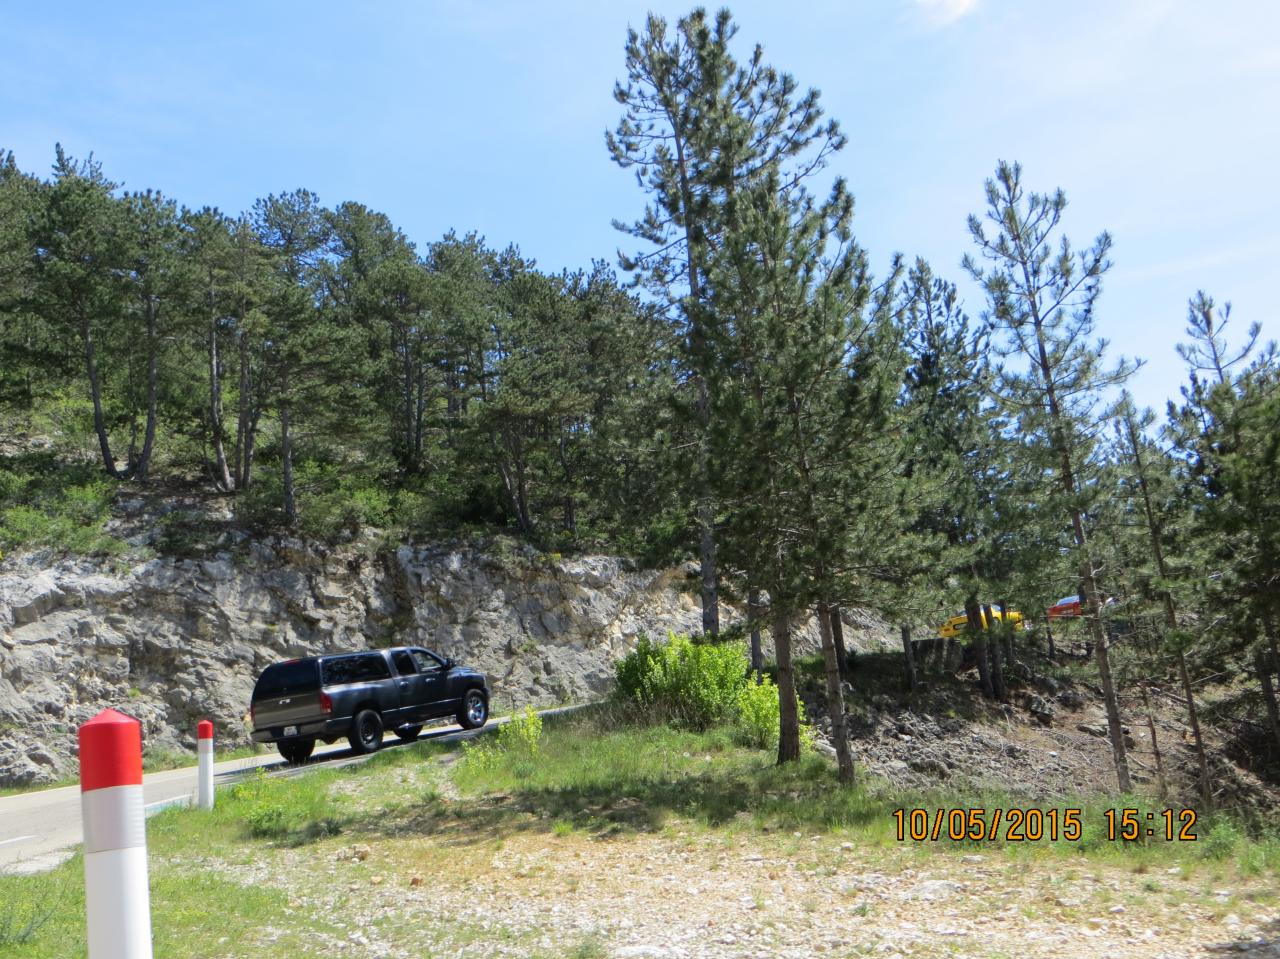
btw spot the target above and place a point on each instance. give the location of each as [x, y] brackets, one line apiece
[1158, 118]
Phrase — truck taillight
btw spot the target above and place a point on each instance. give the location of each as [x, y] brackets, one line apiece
[326, 704]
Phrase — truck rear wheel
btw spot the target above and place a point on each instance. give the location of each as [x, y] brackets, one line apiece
[409, 734]
[296, 751]
[366, 732]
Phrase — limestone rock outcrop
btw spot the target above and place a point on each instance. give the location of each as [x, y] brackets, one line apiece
[172, 641]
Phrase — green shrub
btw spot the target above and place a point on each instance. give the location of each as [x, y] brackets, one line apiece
[46, 503]
[345, 508]
[260, 505]
[758, 715]
[297, 810]
[516, 745]
[695, 685]
[521, 736]
[1221, 842]
[480, 756]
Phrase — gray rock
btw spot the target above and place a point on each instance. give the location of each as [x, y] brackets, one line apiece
[174, 641]
[1072, 699]
[932, 890]
[1042, 709]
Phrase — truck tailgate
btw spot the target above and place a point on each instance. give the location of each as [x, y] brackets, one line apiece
[290, 710]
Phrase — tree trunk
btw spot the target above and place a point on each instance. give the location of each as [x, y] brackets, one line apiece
[216, 424]
[95, 393]
[978, 640]
[706, 504]
[244, 417]
[909, 657]
[1088, 589]
[143, 464]
[996, 649]
[837, 634]
[1006, 638]
[286, 457]
[1154, 531]
[789, 718]
[1115, 728]
[1268, 691]
[1155, 746]
[1206, 792]
[754, 614]
[707, 562]
[250, 448]
[835, 696]
[951, 656]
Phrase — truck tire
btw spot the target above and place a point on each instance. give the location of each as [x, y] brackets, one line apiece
[296, 751]
[366, 732]
[409, 734]
[474, 711]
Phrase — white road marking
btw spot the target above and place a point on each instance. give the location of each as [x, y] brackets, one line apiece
[5, 842]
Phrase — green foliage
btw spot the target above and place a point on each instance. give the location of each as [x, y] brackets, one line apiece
[699, 686]
[521, 735]
[757, 713]
[515, 747]
[333, 501]
[1223, 840]
[46, 505]
[694, 685]
[27, 903]
[283, 809]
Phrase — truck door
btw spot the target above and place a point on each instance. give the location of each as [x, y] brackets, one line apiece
[413, 688]
[436, 699]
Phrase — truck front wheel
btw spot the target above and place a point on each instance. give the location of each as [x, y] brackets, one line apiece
[474, 711]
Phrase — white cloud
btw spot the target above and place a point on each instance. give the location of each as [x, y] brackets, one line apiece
[942, 12]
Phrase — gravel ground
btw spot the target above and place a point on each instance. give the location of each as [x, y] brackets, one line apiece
[688, 892]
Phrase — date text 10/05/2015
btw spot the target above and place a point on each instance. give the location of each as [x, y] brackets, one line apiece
[1035, 825]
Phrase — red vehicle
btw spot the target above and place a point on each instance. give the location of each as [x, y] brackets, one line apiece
[1066, 608]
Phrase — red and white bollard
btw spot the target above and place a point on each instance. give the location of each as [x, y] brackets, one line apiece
[204, 782]
[117, 898]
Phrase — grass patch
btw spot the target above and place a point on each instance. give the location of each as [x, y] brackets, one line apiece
[290, 811]
[600, 776]
[194, 913]
[276, 867]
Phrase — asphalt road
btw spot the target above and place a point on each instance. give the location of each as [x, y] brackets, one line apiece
[40, 829]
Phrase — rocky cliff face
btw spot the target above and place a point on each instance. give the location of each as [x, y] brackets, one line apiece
[172, 641]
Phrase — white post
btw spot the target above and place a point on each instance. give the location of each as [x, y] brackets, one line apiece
[117, 899]
[204, 745]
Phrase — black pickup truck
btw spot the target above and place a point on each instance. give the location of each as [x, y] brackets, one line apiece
[358, 695]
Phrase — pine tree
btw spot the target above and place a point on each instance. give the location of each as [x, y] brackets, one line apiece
[1150, 472]
[34, 358]
[698, 127]
[293, 230]
[1228, 430]
[801, 399]
[79, 254]
[1041, 301]
[159, 277]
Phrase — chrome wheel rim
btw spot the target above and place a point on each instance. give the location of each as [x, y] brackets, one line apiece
[475, 707]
